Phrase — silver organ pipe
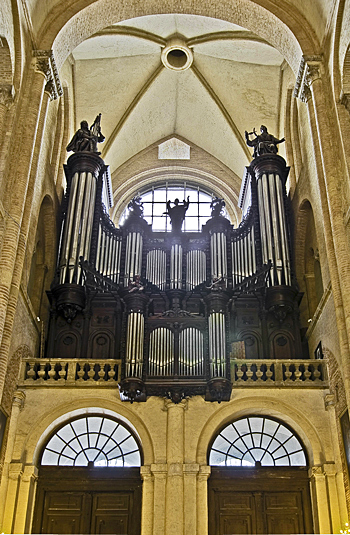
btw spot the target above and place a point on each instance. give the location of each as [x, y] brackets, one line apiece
[133, 257]
[191, 352]
[273, 228]
[108, 253]
[283, 226]
[176, 267]
[134, 345]
[243, 255]
[156, 268]
[78, 227]
[217, 344]
[218, 255]
[195, 268]
[161, 352]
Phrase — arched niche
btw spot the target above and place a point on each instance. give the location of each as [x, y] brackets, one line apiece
[42, 260]
[285, 412]
[90, 464]
[307, 263]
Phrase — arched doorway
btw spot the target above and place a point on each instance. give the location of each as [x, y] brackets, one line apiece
[89, 479]
[259, 479]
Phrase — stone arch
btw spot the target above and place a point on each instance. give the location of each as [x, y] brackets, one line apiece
[130, 185]
[47, 423]
[264, 406]
[6, 71]
[282, 26]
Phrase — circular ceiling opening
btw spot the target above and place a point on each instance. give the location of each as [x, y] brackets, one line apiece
[176, 56]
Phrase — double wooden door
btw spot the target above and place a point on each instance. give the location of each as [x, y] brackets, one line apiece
[84, 501]
[251, 501]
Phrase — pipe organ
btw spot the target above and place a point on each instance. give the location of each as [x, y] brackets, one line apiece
[172, 306]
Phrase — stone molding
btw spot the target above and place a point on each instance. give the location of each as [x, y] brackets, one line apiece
[45, 63]
[310, 70]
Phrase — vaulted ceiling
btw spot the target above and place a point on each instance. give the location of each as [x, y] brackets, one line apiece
[233, 84]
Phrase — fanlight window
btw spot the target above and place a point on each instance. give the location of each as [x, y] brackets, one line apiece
[155, 200]
[93, 441]
[257, 441]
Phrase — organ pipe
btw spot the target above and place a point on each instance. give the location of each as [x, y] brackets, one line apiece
[134, 345]
[217, 344]
[77, 227]
[133, 258]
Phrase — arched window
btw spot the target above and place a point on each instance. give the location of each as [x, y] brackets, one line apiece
[257, 441]
[154, 205]
[92, 441]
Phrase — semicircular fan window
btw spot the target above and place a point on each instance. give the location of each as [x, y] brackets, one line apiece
[92, 441]
[257, 441]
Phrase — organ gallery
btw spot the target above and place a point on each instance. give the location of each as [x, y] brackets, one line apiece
[174, 267]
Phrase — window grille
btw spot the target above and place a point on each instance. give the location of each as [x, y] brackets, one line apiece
[257, 441]
[154, 206]
[92, 441]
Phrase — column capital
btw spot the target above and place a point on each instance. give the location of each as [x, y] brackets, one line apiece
[310, 70]
[329, 401]
[30, 472]
[44, 62]
[190, 468]
[19, 399]
[146, 472]
[15, 469]
[7, 94]
[316, 471]
[168, 404]
[204, 472]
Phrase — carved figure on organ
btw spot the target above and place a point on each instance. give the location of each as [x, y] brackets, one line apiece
[136, 206]
[85, 139]
[177, 213]
[263, 143]
[217, 205]
[135, 285]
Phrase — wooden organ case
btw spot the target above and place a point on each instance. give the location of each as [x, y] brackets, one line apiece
[175, 307]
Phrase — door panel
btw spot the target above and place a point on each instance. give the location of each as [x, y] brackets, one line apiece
[99, 501]
[110, 513]
[259, 501]
[236, 512]
[64, 513]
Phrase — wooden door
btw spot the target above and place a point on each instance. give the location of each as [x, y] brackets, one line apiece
[257, 501]
[88, 501]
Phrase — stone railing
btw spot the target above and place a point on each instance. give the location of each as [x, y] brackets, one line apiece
[276, 373]
[70, 372]
[244, 373]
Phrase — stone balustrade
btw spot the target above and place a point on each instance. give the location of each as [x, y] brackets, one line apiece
[244, 373]
[75, 372]
[276, 373]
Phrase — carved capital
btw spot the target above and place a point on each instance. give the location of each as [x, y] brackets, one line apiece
[316, 471]
[6, 95]
[45, 63]
[313, 72]
[310, 70]
[329, 401]
[345, 100]
[18, 399]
